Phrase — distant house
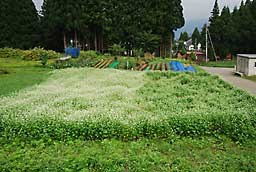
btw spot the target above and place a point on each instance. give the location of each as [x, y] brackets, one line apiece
[246, 64]
[200, 56]
[191, 47]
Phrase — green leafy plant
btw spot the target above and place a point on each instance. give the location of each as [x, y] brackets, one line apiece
[138, 52]
[116, 49]
[44, 58]
[193, 56]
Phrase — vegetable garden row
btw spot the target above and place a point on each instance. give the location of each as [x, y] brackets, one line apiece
[174, 65]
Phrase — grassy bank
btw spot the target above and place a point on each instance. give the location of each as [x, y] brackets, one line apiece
[20, 74]
[99, 104]
[223, 64]
[176, 154]
[252, 78]
[85, 119]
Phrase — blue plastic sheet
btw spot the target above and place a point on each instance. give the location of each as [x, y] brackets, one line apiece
[74, 52]
[179, 67]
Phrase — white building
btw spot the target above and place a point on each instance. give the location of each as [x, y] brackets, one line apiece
[246, 64]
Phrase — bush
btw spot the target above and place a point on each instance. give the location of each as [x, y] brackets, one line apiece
[117, 49]
[193, 56]
[44, 58]
[10, 53]
[36, 53]
[89, 54]
[33, 54]
[3, 71]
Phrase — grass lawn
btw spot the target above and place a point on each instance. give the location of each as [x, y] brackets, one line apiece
[180, 154]
[223, 64]
[20, 74]
[84, 119]
[252, 78]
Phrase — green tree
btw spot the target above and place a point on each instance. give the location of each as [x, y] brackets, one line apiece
[184, 36]
[196, 36]
[19, 24]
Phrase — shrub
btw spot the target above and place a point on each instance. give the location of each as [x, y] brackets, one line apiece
[193, 56]
[89, 54]
[33, 54]
[138, 52]
[3, 71]
[10, 53]
[117, 49]
[44, 58]
[36, 53]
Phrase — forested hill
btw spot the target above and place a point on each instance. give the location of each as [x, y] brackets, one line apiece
[92, 24]
[234, 32]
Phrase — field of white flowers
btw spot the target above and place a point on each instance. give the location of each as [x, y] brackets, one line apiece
[98, 104]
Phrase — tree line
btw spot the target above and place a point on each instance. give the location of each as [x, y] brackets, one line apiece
[231, 32]
[91, 24]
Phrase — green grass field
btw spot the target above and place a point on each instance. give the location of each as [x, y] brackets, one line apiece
[224, 64]
[85, 119]
[20, 74]
[252, 78]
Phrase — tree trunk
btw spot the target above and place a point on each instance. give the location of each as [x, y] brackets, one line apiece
[95, 41]
[64, 40]
[102, 43]
[76, 39]
[171, 44]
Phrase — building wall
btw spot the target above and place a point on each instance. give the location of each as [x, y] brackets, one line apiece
[246, 66]
[252, 67]
[241, 64]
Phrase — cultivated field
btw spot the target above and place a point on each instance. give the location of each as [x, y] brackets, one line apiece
[98, 104]
[85, 119]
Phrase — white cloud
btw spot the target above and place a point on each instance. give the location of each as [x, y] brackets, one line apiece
[201, 9]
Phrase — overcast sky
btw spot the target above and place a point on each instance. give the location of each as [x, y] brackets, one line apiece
[196, 12]
[200, 9]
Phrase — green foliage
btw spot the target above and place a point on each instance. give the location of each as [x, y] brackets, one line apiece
[115, 22]
[20, 75]
[10, 53]
[44, 58]
[3, 71]
[147, 41]
[19, 24]
[89, 54]
[175, 154]
[232, 32]
[138, 52]
[33, 54]
[116, 49]
[183, 50]
[196, 37]
[193, 56]
[192, 105]
[223, 64]
[184, 36]
[37, 54]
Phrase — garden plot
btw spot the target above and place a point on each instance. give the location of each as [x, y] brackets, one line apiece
[98, 104]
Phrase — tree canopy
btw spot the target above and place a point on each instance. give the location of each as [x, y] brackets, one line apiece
[233, 32]
[19, 24]
[98, 24]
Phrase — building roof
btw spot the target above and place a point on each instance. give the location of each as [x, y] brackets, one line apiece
[248, 56]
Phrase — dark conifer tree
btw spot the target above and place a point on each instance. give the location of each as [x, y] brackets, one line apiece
[19, 24]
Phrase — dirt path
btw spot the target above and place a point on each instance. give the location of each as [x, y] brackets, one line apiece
[226, 74]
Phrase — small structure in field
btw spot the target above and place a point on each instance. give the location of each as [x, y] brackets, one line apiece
[246, 64]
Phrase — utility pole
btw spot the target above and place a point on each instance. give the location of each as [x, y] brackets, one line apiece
[206, 44]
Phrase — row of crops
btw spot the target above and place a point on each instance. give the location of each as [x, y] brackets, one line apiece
[173, 65]
[96, 104]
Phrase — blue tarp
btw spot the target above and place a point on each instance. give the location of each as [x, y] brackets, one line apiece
[190, 69]
[173, 66]
[74, 52]
[178, 66]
